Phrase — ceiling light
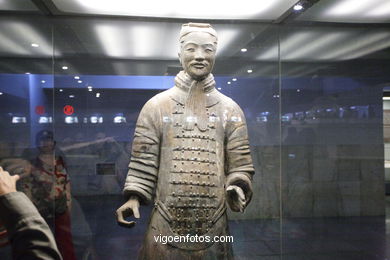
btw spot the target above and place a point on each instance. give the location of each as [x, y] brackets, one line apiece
[35, 45]
[65, 67]
[90, 90]
[61, 90]
[98, 95]
[234, 79]
[380, 10]
[386, 98]
[348, 11]
[79, 81]
[298, 90]
[28, 73]
[298, 7]
[71, 96]
[21, 43]
[229, 83]
[142, 36]
[42, 81]
[89, 87]
[266, 10]
[244, 50]
[76, 77]
[249, 71]
[1, 93]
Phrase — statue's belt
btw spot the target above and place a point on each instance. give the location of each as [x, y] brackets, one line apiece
[215, 230]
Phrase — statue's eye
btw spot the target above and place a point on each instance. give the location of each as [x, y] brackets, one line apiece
[209, 50]
[190, 49]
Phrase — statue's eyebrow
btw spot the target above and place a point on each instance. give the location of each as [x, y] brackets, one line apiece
[203, 45]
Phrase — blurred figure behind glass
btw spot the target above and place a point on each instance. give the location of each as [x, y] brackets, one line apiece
[48, 186]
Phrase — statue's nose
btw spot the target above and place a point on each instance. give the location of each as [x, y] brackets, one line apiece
[199, 55]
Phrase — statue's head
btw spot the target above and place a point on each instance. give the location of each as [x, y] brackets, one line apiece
[198, 46]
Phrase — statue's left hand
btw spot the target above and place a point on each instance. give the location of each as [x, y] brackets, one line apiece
[236, 198]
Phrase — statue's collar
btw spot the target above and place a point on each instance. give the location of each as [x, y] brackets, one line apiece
[184, 82]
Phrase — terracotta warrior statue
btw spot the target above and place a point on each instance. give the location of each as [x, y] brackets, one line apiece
[190, 157]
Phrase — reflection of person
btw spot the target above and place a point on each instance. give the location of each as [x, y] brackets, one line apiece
[29, 234]
[191, 150]
[48, 186]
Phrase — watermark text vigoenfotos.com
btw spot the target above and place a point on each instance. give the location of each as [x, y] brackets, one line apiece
[192, 239]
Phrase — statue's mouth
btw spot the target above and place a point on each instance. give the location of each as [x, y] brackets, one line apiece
[199, 65]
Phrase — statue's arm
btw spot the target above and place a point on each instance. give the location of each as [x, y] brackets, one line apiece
[144, 163]
[239, 166]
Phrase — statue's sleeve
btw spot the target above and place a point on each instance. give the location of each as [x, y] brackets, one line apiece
[144, 163]
[238, 160]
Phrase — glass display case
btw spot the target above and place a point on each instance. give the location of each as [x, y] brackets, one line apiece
[309, 77]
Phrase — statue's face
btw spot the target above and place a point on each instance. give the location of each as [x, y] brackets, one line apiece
[197, 54]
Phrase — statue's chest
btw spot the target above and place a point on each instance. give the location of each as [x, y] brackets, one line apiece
[195, 181]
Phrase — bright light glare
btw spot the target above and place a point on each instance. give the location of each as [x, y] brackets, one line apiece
[109, 36]
[79, 81]
[205, 9]
[15, 43]
[98, 95]
[96, 119]
[249, 71]
[119, 120]
[71, 120]
[359, 10]
[244, 50]
[386, 98]
[298, 7]
[61, 90]
[42, 81]
[234, 79]
[1, 93]
[19, 120]
[288, 45]
[65, 67]
[71, 96]
[358, 46]
[229, 83]
[138, 40]
[76, 77]
[225, 37]
[316, 45]
[45, 120]
[379, 10]
[348, 7]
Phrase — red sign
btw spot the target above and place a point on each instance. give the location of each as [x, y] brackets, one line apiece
[68, 110]
[39, 110]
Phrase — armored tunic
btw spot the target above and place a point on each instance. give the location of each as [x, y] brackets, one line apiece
[190, 143]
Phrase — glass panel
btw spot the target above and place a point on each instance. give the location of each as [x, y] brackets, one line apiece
[26, 125]
[107, 71]
[332, 148]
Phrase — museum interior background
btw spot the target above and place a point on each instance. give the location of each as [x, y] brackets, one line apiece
[311, 82]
